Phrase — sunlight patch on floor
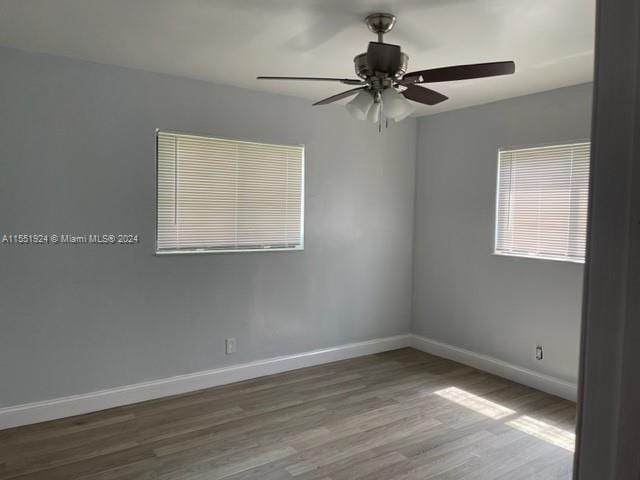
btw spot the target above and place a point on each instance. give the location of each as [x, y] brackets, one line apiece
[475, 403]
[545, 431]
[527, 424]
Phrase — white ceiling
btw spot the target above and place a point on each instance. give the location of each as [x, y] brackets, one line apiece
[232, 41]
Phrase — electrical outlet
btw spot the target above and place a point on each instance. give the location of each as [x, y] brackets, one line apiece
[230, 345]
[539, 352]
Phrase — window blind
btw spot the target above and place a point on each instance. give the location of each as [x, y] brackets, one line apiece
[542, 202]
[216, 194]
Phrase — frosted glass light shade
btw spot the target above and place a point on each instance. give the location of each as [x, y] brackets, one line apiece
[408, 111]
[373, 115]
[396, 107]
[360, 105]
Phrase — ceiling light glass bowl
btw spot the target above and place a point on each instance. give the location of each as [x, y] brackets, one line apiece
[360, 105]
[396, 107]
[373, 115]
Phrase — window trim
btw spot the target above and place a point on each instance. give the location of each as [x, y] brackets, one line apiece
[544, 258]
[204, 250]
[537, 257]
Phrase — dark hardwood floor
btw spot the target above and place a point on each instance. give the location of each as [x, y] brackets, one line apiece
[401, 415]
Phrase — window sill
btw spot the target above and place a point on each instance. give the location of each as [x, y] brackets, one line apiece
[198, 251]
[538, 257]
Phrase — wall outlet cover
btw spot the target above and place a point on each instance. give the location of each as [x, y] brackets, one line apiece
[230, 345]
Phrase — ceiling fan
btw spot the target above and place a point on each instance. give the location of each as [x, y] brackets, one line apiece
[384, 86]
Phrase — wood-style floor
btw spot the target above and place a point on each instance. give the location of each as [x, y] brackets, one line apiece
[394, 416]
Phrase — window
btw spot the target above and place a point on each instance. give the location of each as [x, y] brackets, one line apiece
[218, 195]
[542, 202]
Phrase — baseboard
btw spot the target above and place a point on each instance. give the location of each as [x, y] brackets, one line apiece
[495, 366]
[36, 412]
[114, 397]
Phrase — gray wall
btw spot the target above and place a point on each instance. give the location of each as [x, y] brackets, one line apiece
[464, 295]
[77, 156]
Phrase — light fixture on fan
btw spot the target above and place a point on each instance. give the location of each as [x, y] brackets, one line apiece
[394, 105]
[384, 87]
[371, 106]
[360, 105]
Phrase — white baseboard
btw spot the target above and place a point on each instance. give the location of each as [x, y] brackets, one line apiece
[25, 414]
[495, 366]
[36, 412]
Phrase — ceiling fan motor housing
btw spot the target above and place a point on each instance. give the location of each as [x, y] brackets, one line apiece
[387, 60]
[363, 71]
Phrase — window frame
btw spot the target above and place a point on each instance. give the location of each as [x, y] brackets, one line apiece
[206, 250]
[544, 258]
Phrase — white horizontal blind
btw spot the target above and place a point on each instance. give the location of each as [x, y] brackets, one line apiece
[542, 202]
[227, 195]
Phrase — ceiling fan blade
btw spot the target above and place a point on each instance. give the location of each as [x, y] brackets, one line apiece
[383, 57]
[347, 81]
[423, 95]
[339, 96]
[461, 72]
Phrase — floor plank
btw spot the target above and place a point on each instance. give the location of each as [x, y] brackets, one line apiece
[399, 415]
